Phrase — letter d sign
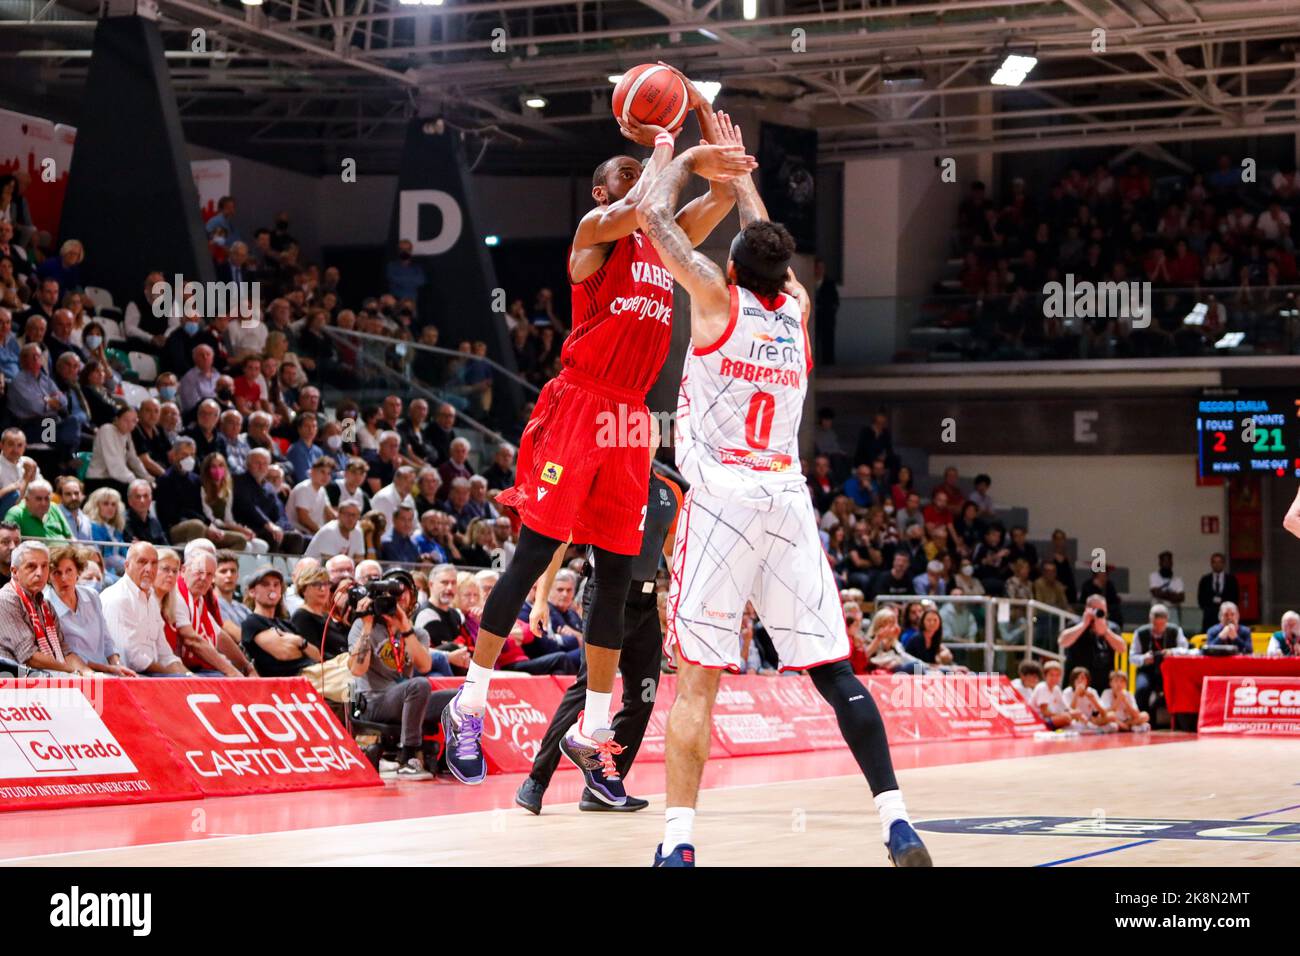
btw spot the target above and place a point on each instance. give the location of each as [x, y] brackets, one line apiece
[408, 223]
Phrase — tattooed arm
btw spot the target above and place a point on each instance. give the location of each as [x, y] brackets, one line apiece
[699, 275]
[748, 201]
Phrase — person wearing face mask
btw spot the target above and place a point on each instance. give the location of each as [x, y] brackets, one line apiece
[965, 579]
[179, 348]
[179, 502]
[95, 343]
[168, 386]
[218, 501]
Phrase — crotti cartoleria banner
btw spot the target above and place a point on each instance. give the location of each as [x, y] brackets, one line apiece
[82, 743]
[254, 736]
[1264, 706]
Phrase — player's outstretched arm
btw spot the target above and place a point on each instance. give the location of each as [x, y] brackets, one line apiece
[748, 201]
[612, 221]
[1292, 520]
[699, 275]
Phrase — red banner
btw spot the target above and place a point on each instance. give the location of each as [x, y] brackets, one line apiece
[950, 707]
[82, 743]
[519, 709]
[1250, 706]
[1185, 673]
[253, 736]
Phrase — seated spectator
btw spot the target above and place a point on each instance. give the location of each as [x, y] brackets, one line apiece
[456, 465]
[140, 523]
[340, 567]
[352, 486]
[340, 536]
[106, 514]
[1082, 700]
[134, 615]
[896, 580]
[81, 620]
[218, 503]
[438, 614]
[71, 499]
[910, 514]
[858, 487]
[180, 502]
[1018, 588]
[35, 517]
[1049, 590]
[319, 599]
[932, 582]
[114, 462]
[1031, 675]
[101, 405]
[980, 497]
[435, 527]
[385, 684]
[564, 631]
[188, 626]
[927, 643]
[388, 498]
[1228, 632]
[198, 383]
[269, 639]
[884, 651]
[178, 348]
[259, 435]
[258, 507]
[30, 630]
[992, 560]
[1048, 700]
[458, 504]
[226, 586]
[1118, 701]
[397, 544]
[965, 579]
[384, 462]
[959, 621]
[482, 542]
[1286, 642]
[412, 429]
[16, 469]
[953, 495]
[207, 439]
[1150, 644]
[304, 452]
[146, 322]
[1019, 549]
[309, 504]
[501, 473]
[479, 505]
[149, 439]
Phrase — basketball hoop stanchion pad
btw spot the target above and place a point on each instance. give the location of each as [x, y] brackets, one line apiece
[93, 742]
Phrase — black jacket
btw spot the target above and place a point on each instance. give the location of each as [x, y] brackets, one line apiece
[178, 496]
[255, 504]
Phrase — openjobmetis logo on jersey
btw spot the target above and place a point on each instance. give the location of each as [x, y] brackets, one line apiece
[78, 910]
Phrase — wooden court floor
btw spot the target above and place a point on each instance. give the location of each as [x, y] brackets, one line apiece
[822, 820]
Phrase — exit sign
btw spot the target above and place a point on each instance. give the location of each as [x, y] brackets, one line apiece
[1209, 524]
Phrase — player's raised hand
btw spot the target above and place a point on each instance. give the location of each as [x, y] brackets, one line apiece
[694, 98]
[721, 163]
[642, 133]
[728, 134]
[795, 289]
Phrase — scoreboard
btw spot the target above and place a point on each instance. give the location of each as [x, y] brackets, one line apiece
[1240, 432]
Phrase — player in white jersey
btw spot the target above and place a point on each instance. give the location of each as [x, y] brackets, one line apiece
[748, 531]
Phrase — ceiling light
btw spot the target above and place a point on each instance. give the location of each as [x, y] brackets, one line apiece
[1013, 70]
[749, 9]
[535, 102]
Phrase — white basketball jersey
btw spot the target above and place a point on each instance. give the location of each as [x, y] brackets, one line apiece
[741, 401]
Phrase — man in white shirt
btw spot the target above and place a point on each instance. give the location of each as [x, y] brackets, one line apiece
[389, 497]
[309, 504]
[134, 617]
[1275, 224]
[1167, 588]
[340, 536]
[16, 470]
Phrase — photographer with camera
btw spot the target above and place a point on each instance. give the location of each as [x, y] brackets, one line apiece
[1093, 642]
[388, 656]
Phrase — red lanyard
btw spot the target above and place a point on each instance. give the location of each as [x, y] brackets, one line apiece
[45, 624]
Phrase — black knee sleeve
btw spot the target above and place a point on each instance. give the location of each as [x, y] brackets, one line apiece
[609, 583]
[860, 722]
[531, 558]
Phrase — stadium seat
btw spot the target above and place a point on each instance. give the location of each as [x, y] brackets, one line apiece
[145, 366]
[100, 298]
[112, 328]
[10, 668]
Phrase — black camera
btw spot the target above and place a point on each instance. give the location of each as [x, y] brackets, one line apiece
[383, 596]
[1099, 613]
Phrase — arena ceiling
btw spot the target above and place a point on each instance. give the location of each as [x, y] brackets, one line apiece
[301, 83]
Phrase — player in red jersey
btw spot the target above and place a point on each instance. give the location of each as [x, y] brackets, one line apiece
[584, 459]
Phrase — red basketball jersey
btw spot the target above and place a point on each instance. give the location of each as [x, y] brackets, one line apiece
[622, 317]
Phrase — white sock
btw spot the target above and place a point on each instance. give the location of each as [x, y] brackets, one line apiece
[678, 823]
[473, 694]
[890, 806]
[596, 714]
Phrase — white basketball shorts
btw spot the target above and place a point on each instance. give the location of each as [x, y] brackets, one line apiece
[728, 554]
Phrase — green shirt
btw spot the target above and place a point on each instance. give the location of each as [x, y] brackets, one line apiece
[54, 526]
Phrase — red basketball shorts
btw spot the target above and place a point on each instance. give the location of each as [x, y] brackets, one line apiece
[584, 464]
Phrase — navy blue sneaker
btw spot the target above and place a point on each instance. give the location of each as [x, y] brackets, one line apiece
[529, 796]
[594, 756]
[591, 804]
[683, 855]
[461, 734]
[905, 847]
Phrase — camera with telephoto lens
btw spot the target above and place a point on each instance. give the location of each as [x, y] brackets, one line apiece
[1099, 613]
[383, 596]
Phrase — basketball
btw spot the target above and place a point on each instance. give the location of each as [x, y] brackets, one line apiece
[651, 94]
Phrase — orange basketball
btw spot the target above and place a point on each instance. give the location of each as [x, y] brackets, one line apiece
[651, 94]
